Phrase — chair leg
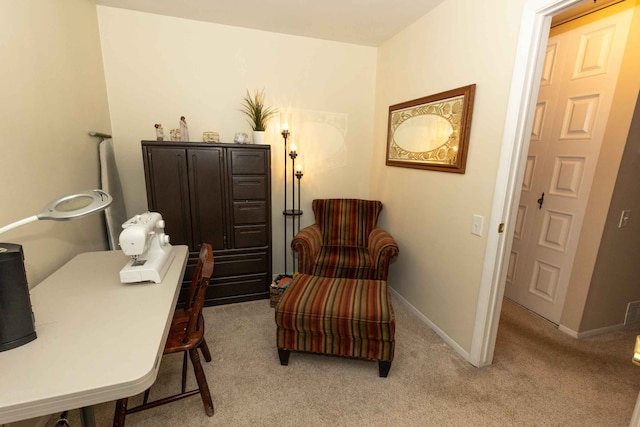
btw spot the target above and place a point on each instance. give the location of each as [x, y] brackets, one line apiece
[205, 350]
[202, 382]
[184, 372]
[120, 413]
[284, 356]
[383, 368]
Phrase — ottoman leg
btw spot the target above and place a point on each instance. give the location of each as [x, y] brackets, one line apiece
[383, 368]
[284, 356]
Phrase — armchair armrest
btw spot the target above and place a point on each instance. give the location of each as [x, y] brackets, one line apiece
[382, 249]
[307, 244]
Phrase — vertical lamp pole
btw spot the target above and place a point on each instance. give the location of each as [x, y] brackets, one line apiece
[293, 154]
[299, 176]
[285, 135]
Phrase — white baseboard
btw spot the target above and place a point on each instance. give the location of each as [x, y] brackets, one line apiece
[446, 338]
[568, 331]
[591, 333]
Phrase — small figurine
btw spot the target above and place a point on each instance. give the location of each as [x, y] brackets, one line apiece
[159, 132]
[174, 134]
[184, 130]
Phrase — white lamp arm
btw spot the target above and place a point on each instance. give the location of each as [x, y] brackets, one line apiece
[18, 223]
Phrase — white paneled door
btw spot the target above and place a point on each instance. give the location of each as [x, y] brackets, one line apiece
[576, 90]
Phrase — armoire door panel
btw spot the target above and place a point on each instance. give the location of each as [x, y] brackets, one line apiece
[168, 191]
[206, 192]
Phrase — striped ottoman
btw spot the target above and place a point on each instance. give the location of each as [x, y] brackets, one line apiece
[342, 317]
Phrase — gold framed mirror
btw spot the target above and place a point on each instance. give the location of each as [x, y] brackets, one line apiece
[431, 132]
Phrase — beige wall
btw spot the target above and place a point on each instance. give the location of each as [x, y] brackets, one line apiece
[616, 273]
[159, 68]
[53, 93]
[429, 213]
[608, 309]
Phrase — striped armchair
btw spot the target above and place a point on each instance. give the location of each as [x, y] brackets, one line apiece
[345, 241]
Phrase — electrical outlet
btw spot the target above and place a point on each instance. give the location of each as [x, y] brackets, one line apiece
[624, 218]
[477, 225]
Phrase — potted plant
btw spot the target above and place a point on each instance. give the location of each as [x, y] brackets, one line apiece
[258, 114]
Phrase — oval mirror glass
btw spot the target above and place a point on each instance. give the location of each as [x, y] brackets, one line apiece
[423, 133]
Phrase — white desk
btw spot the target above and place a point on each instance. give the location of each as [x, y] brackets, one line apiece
[98, 339]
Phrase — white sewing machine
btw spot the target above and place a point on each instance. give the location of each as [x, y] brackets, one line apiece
[143, 239]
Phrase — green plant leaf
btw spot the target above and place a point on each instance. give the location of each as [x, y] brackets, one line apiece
[258, 115]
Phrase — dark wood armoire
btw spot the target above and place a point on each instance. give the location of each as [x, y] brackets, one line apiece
[218, 194]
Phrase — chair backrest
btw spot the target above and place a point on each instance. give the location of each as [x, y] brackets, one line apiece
[346, 222]
[198, 289]
[195, 279]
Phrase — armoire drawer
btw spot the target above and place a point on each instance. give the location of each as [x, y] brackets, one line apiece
[236, 265]
[249, 213]
[221, 288]
[245, 162]
[250, 236]
[249, 187]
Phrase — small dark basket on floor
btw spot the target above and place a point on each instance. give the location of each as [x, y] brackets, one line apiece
[277, 288]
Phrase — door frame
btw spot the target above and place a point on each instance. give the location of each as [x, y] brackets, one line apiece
[525, 83]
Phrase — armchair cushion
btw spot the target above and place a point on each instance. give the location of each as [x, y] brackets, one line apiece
[344, 261]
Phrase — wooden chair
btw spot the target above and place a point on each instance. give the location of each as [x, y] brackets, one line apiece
[185, 336]
[181, 314]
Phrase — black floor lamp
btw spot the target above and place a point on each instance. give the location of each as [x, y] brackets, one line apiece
[296, 175]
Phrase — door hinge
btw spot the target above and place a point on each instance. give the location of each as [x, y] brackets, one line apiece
[501, 228]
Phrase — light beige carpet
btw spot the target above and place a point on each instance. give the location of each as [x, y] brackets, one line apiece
[540, 377]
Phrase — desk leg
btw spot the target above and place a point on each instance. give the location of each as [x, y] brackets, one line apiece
[87, 417]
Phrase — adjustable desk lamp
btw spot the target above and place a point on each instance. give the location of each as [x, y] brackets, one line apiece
[16, 318]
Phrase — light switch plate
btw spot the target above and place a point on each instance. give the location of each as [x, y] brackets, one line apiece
[624, 218]
[477, 224]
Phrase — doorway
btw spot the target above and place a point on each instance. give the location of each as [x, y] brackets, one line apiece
[531, 47]
[579, 75]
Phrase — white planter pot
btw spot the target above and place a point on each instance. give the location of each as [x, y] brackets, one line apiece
[258, 136]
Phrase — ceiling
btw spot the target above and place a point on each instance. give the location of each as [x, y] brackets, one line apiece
[362, 22]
